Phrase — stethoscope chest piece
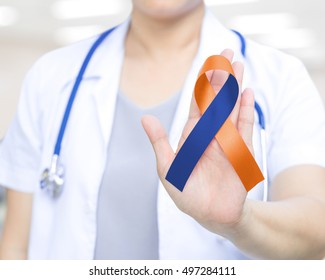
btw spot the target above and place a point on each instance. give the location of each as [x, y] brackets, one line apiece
[52, 179]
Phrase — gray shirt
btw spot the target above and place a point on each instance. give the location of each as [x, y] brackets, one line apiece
[127, 203]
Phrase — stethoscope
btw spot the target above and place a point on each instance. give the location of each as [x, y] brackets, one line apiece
[52, 178]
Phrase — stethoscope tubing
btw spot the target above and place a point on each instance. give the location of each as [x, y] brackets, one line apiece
[100, 39]
[75, 88]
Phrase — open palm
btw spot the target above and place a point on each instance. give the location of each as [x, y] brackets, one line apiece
[213, 194]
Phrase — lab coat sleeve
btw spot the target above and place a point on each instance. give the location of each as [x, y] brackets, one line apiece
[20, 149]
[297, 129]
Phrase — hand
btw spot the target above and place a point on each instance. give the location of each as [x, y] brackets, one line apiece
[213, 194]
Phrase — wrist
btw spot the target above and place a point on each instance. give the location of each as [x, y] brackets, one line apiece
[234, 229]
[238, 230]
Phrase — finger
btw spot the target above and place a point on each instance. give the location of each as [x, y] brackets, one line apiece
[238, 68]
[239, 72]
[159, 141]
[218, 78]
[163, 151]
[228, 53]
[194, 109]
[246, 117]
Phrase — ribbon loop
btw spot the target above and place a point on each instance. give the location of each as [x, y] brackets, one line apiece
[215, 122]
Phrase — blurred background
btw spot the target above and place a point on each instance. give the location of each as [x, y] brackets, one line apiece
[29, 28]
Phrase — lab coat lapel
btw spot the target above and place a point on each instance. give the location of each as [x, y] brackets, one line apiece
[108, 66]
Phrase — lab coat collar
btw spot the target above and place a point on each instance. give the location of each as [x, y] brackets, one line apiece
[214, 39]
[108, 52]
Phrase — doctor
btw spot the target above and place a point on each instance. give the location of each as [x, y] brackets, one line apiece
[111, 206]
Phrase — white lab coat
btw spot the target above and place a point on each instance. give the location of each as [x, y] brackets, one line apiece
[66, 228]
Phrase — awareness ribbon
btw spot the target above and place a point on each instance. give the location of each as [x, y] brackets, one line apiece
[215, 122]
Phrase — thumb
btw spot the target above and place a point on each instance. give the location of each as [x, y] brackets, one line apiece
[159, 141]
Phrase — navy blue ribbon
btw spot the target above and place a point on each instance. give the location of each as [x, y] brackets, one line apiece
[203, 133]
